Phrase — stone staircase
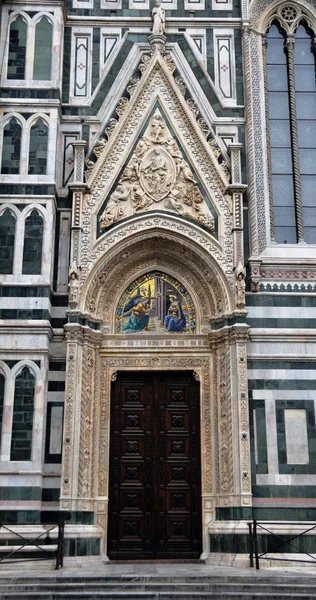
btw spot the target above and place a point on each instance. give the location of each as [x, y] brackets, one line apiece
[256, 586]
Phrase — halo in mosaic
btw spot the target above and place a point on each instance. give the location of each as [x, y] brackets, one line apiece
[155, 303]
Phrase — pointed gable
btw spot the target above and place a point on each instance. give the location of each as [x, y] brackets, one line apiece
[191, 181]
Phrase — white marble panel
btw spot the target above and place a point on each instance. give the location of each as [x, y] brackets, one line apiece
[272, 441]
[282, 312]
[25, 303]
[292, 374]
[55, 396]
[295, 347]
[255, 435]
[56, 427]
[276, 479]
[56, 376]
[296, 436]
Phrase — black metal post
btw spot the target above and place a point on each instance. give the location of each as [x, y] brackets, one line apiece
[255, 536]
[60, 545]
[250, 544]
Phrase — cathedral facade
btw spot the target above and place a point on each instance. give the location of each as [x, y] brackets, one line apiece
[158, 272]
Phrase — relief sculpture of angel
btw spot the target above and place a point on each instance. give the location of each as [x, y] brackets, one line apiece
[114, 211]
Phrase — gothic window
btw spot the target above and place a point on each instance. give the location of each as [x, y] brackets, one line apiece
[43, 50]
[33, 243]
[291, 101]
[38, 148]
[23, 409]
[7, 235]
[11, 149]
[17, 49]
[2, 385]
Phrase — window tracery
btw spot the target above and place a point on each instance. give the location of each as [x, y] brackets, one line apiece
[33, 225]
[28, 139]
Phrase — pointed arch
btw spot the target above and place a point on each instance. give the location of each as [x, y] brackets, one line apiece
[262, 13]
[30, 364]
[17, 116]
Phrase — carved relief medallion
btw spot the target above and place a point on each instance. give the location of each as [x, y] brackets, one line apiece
[157, 173]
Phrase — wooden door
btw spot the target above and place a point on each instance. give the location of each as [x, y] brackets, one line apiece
[155, 473]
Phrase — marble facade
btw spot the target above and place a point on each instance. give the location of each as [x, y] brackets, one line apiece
[156, 163]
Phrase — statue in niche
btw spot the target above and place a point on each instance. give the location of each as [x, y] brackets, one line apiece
[240, 287]
[73, 286]
[159, 19]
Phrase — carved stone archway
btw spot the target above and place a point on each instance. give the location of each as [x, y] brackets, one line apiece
[217, 353]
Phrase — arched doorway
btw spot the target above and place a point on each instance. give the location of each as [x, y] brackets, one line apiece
[98, 353]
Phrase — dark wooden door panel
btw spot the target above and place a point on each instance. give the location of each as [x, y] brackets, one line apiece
[155, 490]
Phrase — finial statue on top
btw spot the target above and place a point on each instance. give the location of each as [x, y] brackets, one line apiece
[240, 274]
[73, 286]
[159, 19]
[158, 38]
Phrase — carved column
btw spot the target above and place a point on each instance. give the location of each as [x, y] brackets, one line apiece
[87, 470]
[79, 469]
[241, 336]
[71, 443]
[247, 39]
[231, 424]
[78, 188]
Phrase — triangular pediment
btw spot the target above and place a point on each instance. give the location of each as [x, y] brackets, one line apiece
[157, 156]
[157, 176]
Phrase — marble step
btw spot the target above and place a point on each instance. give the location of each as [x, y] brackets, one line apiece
[153, 587]
[148, 595]
[161, 588]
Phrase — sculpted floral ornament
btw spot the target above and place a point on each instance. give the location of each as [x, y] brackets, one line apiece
[157, 175]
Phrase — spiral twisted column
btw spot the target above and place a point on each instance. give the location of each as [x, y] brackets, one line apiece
[250, 143]
[294, 135]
